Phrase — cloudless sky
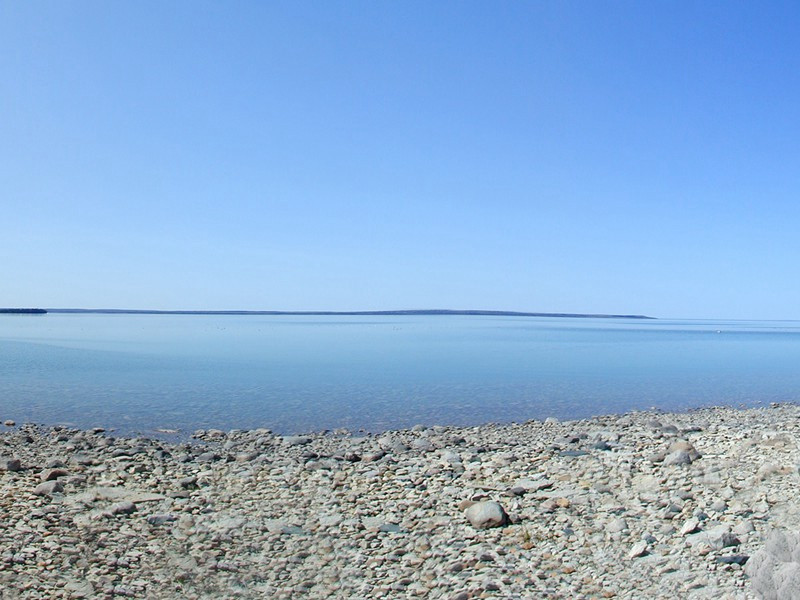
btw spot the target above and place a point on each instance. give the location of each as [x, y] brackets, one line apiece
[617, 157]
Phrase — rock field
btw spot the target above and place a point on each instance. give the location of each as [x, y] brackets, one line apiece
[642, 505]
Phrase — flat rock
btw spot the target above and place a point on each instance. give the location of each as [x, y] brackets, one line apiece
[48, 488]
[296, 440]
[638, 549]
[113, 494]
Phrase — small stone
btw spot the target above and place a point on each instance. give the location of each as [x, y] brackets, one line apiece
[679, 457]
[638, 549]
[125, 507]
[422, 444]
[733, 559]
[373, 456]
[744, 528]
[684, 446]
[296, 440]
[691, 526]
[12, 464]
[188, 482]
[465, 504]
[719, 506]
[48, 488]
[207, 457]
[617, 525]
[161, 519]
[9, 423]
[50, 474]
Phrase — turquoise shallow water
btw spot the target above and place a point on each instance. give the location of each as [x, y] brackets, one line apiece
[138, 373]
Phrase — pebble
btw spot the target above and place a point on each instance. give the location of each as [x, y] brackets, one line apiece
[48, 488]
[638, 549]
[12, 464]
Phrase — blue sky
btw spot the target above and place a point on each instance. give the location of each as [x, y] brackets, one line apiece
[618, 157]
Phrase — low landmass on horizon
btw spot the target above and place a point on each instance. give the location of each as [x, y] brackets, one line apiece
[490, 313]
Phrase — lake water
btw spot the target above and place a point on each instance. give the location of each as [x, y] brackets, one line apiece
[139, 373]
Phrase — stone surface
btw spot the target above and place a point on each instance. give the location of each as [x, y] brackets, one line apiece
[346, 515]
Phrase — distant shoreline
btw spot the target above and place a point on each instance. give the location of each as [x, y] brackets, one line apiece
[356, 313]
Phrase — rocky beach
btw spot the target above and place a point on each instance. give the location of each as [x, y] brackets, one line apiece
[702, 504]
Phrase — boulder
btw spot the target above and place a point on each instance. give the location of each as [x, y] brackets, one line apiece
[485, 515]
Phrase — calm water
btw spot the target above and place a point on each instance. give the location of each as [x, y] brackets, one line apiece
[138, 373]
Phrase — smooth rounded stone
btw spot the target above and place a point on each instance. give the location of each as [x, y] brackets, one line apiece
[422, 444]
[486, 514]
[719, 506]
[732, 559]
[296, 440]
[679, 457]
[330, 520]
[717, 538]
[373, 456]
[246, 456]
[450, 457]
[9, 423]
[533, 485]
[617, 526]
[207, 457]
[125, 507]
[188, 482]
[390, 443]
[48, 488]
[744, 528]
[11, 464]
[684, 446]
[80, 458]
[768, 470]
[573, 453]
[161, 519]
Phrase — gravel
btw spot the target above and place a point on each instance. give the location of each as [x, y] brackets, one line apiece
[642, 505]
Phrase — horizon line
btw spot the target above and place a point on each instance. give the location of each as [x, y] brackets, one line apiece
[400, 312]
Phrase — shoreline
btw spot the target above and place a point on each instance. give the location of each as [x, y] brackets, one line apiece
[643, 504]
